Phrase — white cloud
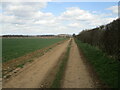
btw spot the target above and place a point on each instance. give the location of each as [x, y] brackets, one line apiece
[22, 9]
[76, 13]
[27, 18]
[44, 22]
[74, 25]
[84, 19]
[27, 0]
[114, 9]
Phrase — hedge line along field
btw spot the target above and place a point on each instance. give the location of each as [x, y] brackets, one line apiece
[16, 47]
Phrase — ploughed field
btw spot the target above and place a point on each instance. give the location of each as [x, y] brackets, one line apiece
[15, 47]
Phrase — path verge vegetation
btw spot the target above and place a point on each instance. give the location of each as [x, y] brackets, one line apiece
[106, 68]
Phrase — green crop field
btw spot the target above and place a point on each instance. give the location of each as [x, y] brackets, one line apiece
[16, 47]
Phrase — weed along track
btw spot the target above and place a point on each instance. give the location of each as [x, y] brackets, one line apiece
[33, 75]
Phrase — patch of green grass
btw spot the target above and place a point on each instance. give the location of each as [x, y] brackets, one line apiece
[16, 47]
[20, 65]
[30, 60]
[57, 81]
[106, 68]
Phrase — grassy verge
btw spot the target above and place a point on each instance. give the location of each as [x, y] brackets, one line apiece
[57, 81]
[106, 68]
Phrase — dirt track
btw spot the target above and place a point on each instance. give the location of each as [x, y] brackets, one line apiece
[33, 75]
[76, 74]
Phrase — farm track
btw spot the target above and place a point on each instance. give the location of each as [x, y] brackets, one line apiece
[41, 72]
[76, 73]
[33, 75]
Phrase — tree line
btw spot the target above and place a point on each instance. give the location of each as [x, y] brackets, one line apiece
[105, 37]
[28, 35]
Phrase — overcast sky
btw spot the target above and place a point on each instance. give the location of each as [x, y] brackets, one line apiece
[35, 18]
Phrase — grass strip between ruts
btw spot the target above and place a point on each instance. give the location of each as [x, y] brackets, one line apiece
[57, 81]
